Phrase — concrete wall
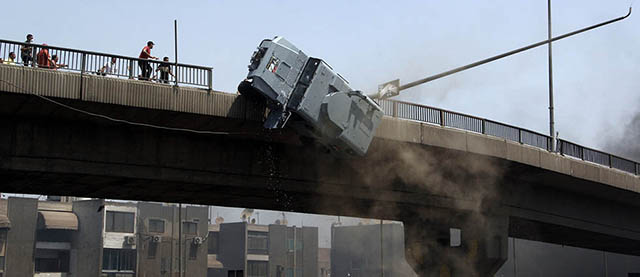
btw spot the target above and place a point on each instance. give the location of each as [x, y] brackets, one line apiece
[196, 266]
[156, 259]
[277, 248]
[86, 256]
[310, 251]
[232, 251]
[306, 257]
[21, 238]
[359, 246]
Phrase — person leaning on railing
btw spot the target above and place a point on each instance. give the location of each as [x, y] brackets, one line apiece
[144, 65]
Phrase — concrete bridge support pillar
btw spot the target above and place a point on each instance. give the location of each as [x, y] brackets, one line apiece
[449, 244]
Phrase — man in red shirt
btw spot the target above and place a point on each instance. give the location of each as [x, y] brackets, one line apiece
[43, 58]
[145, 68]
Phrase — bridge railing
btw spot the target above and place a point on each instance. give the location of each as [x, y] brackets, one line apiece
[479, 125]
[88, 62]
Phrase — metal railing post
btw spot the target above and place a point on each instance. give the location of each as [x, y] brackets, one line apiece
[484, 127]
[210, 79]
[395, 109]
[83, 61]
[442, 118]
[131, 69]
[610, 161]
[520, 136]
[34, 56]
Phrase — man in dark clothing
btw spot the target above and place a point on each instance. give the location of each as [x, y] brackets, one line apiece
[165, 71]
[26, 51]
[145, 68]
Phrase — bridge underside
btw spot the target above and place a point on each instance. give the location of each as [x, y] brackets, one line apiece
[48, 149]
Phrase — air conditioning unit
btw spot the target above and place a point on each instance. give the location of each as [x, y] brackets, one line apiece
[198, 240]
[156, 239]
[130, 240]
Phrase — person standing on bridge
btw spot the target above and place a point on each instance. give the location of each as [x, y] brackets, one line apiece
[145, 68]
[26, 51]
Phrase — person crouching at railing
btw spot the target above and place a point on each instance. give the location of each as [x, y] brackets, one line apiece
[108, 68]
[165, 71]
[11, 60]
[54, 63]
[145, 68]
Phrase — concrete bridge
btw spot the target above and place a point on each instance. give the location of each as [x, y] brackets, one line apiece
[127, 139]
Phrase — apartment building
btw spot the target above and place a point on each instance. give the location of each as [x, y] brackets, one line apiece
[98, 238]
[243, 249]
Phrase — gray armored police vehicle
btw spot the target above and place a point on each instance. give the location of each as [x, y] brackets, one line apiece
[319, 104]
[306, 94]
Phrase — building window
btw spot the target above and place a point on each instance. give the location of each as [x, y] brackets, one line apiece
[297, 245]
[156, 226]
[257, 269]
[212, 242]
[119, 260]
[258, 242]
[189, 228]
[49, 260]
[235, 273]
[120, 222]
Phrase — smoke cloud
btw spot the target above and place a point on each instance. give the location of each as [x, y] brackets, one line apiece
[628, 144]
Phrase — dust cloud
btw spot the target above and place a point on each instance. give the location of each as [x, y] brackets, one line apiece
[397, 173]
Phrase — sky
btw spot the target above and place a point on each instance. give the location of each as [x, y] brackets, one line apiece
[371, 42]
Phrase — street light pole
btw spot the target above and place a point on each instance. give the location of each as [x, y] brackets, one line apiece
[551, 116]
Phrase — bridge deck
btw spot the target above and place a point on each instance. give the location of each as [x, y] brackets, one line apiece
[148, 95]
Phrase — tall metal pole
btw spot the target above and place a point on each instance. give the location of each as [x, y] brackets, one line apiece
[175, 40]
[552, 129]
